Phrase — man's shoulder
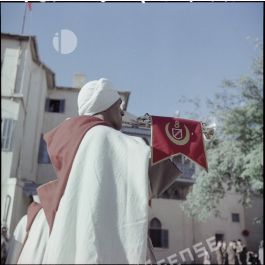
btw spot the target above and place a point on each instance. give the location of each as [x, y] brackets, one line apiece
[102, 132]
[113, 134]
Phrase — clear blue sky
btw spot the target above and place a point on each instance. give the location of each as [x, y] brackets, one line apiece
[160, 52]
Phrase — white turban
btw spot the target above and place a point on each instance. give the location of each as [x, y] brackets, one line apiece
[96, 96]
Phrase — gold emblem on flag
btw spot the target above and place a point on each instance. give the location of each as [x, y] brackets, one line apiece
[176, 135]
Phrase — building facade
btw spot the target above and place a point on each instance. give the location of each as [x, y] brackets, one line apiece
[24, 83]
[186, 238]
[32, 105]
[178, 238]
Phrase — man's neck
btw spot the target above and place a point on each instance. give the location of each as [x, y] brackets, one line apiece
[100, 116]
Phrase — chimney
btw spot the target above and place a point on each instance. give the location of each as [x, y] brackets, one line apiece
[79, 80]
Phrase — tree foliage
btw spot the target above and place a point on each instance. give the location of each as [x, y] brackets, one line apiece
[235, 156]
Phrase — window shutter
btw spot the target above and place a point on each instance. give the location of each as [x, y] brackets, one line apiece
[47, 103]
[3, 132]
[155, 235]
[9, 71]
[7, 134]
[43, 157]
[235, 217]
[11, 138]
[164, 238]
[62, 105]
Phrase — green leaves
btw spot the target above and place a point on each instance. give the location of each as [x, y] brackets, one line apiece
[235, 158]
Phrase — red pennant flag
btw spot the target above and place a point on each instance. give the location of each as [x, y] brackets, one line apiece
[172, 136]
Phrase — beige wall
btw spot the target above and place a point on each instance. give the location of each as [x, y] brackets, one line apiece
[185, 232]
[51, 119]
[255, 229]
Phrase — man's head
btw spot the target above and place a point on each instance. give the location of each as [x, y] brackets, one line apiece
[98, 98]
[4, 230]
[113, 115]
[231, 244]
[224, 244]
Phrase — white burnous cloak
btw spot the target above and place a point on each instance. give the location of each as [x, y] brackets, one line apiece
[103, 214]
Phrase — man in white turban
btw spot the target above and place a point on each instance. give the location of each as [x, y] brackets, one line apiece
[96, 211]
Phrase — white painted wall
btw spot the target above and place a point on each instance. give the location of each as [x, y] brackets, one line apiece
[19, 208]
[19, 74]
[33, 122]
[8, 188]
[45, 172]
[10, 57]
[22, 101]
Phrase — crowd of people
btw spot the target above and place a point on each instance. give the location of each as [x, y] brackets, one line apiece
[235, 252]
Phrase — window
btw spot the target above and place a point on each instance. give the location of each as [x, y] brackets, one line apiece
[7, 134]
[177, 191]
[55, 105]
[235, 218]
[155, 223]
[219, 237]
[43, 157]
[186, 166]
[159, 236]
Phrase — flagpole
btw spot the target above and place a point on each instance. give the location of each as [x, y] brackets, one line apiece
[27, 49]
[24, 97]
[24, 19]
